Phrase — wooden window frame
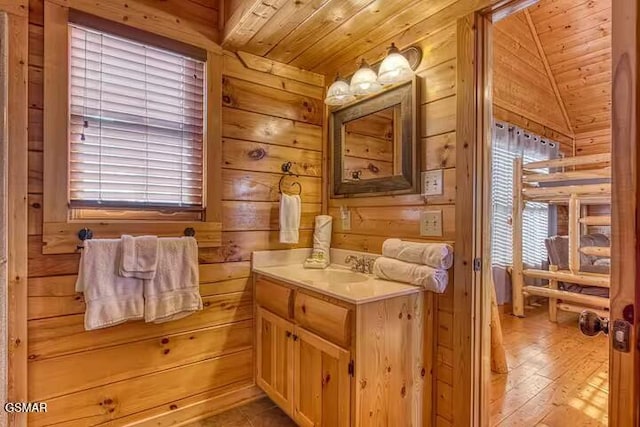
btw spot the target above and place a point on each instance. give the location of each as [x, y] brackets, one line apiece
[61, 223]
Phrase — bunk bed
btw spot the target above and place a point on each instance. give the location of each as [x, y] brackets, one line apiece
[577, 182]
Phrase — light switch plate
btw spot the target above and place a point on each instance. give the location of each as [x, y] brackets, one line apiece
[431, 223]
[345, 218]
[432, 183]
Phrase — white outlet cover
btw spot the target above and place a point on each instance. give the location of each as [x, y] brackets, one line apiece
[432, 183]
[431, 223]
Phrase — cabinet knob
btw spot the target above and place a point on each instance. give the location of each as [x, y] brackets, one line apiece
[295, 337]
[288, 334]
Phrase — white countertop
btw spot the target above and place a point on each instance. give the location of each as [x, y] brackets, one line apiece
[337, 280]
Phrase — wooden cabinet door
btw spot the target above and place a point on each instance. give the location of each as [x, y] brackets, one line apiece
[322, 382]
[274, 358]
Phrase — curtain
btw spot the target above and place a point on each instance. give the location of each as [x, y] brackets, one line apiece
[509, 142]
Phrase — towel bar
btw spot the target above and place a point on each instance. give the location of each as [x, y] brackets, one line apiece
[86, 234]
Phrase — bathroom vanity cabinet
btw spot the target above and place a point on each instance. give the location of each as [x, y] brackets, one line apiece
[335, 363]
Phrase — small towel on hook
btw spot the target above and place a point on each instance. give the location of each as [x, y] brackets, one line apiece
[290, 209]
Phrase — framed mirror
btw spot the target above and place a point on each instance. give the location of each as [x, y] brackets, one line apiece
[374, 144]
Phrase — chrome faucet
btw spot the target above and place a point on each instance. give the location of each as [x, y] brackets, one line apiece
[360, 264]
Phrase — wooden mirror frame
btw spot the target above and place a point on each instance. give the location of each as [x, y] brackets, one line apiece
[406, 96]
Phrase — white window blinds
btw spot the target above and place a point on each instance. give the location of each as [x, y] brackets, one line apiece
[136, 123]
[509, 143]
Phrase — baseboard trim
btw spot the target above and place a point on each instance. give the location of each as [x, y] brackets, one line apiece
[193, 408]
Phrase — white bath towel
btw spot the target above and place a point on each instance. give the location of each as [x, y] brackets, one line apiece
[321, 243]
[110, 298]
[174, 292]
[139, 256]
[436, 255]
[428, 278]
[290, 209]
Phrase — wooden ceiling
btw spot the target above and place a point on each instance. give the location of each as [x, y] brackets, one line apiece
[327, 35]
[576, 39]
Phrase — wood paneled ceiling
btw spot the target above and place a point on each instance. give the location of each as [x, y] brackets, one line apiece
[576, 39]
[327, 35]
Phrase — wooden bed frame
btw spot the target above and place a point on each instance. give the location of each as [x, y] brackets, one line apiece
[527, 179]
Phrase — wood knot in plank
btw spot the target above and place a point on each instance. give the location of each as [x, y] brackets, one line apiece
[257, 153]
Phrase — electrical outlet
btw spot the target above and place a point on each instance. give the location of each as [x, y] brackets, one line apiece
[432, 183]
[431, 223]
[345, 218]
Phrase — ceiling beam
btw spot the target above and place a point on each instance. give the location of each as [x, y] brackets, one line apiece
[545, 62]
[247, 19]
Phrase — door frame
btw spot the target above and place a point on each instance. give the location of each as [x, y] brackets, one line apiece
[472, 330]
[16, 115]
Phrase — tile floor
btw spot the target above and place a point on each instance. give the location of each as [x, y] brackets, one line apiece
[261, 413]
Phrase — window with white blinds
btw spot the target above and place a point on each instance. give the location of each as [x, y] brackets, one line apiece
[535, 217]
[136, 123]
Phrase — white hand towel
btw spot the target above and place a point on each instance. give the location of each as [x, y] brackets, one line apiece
[174, 292]
[321, 243]
[110, 298]
[139, 256]
[290, 208]
[424, 276]
[436, 255]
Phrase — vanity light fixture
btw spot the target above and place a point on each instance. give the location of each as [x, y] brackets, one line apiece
[395, 67]
[365, 81]
[339, 93]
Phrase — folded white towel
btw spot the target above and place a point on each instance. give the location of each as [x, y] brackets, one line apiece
[139, 256]
[174, 292]
[321, 243]
[290, 209]
[436, 255]
[110, 298]
[428, 278]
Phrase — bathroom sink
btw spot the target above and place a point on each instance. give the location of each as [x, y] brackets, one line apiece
[334, 276]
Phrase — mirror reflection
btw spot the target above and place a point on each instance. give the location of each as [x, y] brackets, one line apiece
[369, 145]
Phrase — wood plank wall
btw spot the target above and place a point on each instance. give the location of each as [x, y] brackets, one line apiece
[138, 372]
[373, 219]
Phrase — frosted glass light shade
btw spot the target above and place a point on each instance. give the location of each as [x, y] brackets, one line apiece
[339, 93]
[395, 68]
[365, 81]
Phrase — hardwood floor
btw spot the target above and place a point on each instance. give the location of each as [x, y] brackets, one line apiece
[261, 413]
[557, 376]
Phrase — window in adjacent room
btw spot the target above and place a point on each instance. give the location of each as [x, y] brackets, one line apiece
[508, 143]
[136, 124]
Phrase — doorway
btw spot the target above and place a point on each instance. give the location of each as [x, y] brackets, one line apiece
[544, 346]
